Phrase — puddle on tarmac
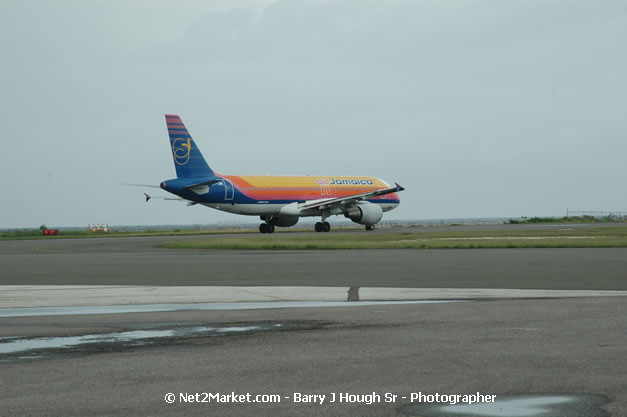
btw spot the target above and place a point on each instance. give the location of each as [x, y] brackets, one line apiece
[528, 405]
[149, 308]
[11, 346]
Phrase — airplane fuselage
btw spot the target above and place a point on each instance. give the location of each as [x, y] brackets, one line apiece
[278, 200]
[267, 195]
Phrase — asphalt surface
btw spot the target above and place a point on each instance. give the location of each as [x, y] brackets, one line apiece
[137, 261]
[501, 347]
[567, 346]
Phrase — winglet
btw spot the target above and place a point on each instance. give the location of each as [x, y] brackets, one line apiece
[399, 187]
[147, 197]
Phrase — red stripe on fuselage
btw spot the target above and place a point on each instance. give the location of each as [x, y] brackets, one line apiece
[309, 192]
[312, 189]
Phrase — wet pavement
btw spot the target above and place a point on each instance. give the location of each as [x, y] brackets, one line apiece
[537, 405]
[23, 348]
[515, 349]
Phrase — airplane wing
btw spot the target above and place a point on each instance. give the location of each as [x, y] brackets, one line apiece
[347, 201]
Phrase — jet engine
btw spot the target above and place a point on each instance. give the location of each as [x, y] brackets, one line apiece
[364, 213]
[284, 221]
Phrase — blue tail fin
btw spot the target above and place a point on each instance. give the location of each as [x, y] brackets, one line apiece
[188, 160]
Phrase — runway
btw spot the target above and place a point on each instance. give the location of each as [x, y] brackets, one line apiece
[512, 336]
[502, 347]
[137, 261]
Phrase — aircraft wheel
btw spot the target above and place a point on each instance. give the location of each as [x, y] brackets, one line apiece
[326, 227]
[318, 227]
[263, 228]
[270, 228]
[370, 227]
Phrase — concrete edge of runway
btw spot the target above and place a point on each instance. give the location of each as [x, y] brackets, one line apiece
[35, 296]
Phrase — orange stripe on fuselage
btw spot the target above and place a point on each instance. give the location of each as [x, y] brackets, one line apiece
[304, 187]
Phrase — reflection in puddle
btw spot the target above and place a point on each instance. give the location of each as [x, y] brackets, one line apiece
[136, 337]
[540, 405]
[523, 407]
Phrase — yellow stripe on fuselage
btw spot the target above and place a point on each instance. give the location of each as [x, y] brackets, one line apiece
[308, 181]
[301, 188]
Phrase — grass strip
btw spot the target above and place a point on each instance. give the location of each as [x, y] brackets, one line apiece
[605, 237]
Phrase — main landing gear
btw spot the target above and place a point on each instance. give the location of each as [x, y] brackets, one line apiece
[266, 228]
[370, 227]
[322, 227]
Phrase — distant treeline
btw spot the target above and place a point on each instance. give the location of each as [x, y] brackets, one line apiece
[569, 219]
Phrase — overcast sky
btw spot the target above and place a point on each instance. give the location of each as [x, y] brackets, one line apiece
[479, 108]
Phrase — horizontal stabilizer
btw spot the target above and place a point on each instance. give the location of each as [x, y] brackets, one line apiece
[149, 197]
[142, 185]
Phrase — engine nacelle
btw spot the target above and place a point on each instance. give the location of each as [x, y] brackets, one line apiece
[364, 213]
[285, 221]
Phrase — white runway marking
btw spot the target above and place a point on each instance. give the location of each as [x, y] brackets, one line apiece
[23, 296]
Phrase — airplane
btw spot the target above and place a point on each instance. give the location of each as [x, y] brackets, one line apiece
[279, 201]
